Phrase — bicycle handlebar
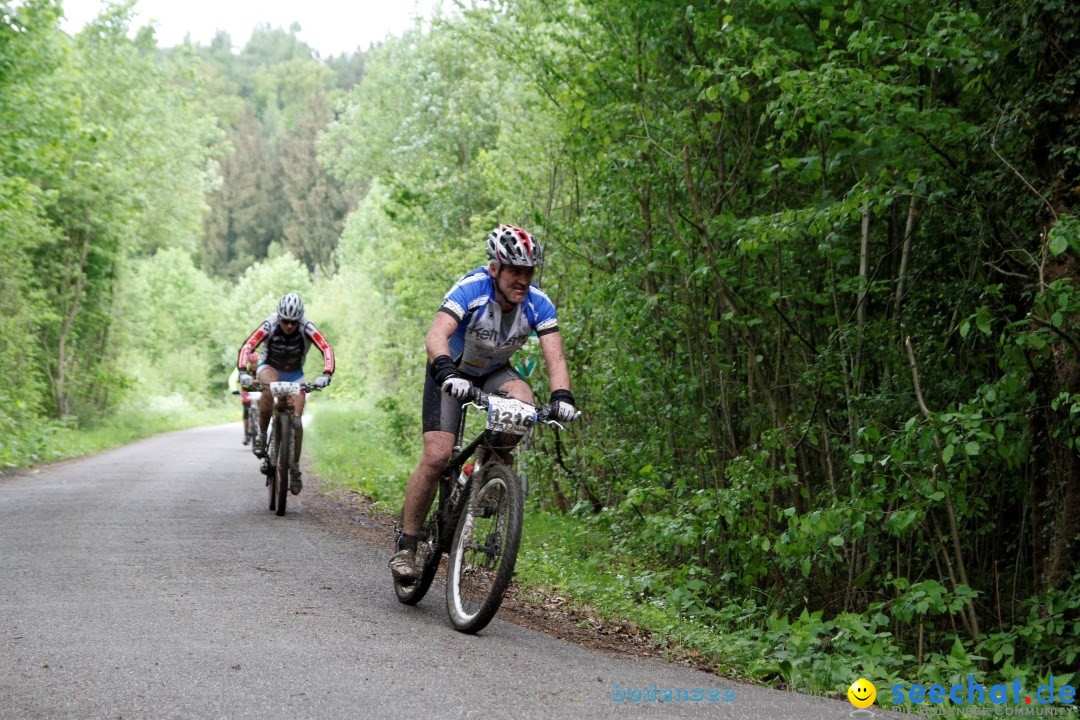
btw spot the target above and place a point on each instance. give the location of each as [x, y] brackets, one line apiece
[478, 396]
[260, 387]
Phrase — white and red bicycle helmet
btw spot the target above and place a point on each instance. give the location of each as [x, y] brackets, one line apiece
[290, 307]
[509, 245]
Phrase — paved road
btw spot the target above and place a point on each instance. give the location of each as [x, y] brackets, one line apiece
[150, 581]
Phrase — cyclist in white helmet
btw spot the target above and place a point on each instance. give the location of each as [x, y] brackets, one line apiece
[485, 318]
[288, 335]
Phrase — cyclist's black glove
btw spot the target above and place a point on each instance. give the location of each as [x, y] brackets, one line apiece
[443, 368]
[450, 379]
[562, 405]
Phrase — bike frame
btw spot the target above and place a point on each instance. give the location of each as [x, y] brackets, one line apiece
[458, 456]
[283, 404]
[447, 512]
[252, 428]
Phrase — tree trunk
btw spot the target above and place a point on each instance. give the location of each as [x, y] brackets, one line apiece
[61, 391]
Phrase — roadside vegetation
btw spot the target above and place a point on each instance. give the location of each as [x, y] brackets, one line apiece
[40, 441]
[815, 265]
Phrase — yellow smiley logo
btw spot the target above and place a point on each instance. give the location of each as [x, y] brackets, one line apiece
[862, 693]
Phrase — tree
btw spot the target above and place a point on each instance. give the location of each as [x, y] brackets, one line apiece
[245, 214]
[317, 205]
[107, 161]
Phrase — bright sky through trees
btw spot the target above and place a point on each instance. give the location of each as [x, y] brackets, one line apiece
[329, 26]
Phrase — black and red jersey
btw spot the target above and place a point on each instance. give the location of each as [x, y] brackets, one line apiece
[285, 351]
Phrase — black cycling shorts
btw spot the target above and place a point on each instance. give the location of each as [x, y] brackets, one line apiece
[442, 412]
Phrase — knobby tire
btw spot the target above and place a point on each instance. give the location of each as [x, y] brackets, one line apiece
[271, 486]
[484, 550]
[281, 464]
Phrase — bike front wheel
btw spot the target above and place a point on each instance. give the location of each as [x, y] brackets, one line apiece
[267, 468]
[253, 423]
[484, 551]
[282, 461]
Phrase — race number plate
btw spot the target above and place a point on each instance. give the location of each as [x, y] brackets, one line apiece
[509, 415]
[284, 388]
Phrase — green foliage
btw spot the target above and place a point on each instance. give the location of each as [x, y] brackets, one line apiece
[103, 159]
[104, 315]
[164, 309]
[317, 206]
[1046, 632]
[766, 224]
[273, 98]
[352, 450]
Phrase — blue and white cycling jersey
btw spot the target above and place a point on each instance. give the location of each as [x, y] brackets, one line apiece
[483, 342]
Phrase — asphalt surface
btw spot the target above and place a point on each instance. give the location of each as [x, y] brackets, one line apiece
[151, 581]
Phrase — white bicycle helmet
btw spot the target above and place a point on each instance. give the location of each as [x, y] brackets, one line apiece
[291, 307]
[509, 245]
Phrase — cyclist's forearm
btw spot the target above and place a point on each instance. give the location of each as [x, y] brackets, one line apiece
[558, 377]
[434, 350]
[436, 347]
[323, 344]
[248, 349]
[437, 340]
[555, 360]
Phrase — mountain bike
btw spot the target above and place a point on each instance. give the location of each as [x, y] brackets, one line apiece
[280, 449]
[251, 424]
[476, 517]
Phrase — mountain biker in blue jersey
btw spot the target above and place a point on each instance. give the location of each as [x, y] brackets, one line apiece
[484, 319]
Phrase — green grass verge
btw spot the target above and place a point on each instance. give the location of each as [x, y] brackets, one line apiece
[563, 555]
[351, 449]
[36, 441]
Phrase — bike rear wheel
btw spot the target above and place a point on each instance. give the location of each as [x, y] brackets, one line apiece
[282, 461]
[484, 550]
[429, 552]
